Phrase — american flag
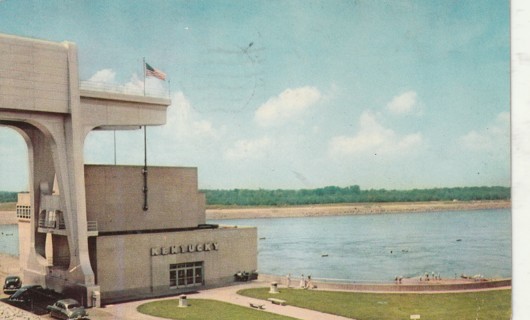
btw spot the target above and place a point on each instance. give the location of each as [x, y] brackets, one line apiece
[153, 72]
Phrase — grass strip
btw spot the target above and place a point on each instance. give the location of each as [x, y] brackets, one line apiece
[494, 304]
[205, 309]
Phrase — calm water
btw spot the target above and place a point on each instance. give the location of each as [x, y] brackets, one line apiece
[9, 239]
[379, 247]
[374, 247]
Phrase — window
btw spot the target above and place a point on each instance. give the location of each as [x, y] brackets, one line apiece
[172, 278]
[23, 212]
[184, 275]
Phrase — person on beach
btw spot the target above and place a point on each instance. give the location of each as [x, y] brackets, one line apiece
[302, 282]
[288, 280]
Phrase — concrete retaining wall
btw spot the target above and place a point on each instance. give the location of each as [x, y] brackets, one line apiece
[392, 287]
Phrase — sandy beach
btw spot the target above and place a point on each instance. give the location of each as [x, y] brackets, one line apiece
[351, 209]
[8, 217]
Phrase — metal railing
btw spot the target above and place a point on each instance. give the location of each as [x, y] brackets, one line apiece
[60, 225]
[43, 223]
[130, 89]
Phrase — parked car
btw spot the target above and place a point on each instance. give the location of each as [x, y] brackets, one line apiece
[67, 309]
[245, 276]
[25, 293]
[12, 284]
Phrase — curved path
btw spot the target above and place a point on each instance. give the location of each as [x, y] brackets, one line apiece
[226, 294]
[229, 294]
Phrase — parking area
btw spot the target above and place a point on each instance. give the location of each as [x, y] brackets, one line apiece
[30, 305]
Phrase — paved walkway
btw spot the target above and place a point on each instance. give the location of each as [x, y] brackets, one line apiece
[127, 310]
[228, 294]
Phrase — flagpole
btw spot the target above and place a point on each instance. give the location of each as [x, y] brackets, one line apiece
[144, 171]
[114, 147]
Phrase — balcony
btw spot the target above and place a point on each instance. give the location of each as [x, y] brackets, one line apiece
[132, 88]
[57, 226]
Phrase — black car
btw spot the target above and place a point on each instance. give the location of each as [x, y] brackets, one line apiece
[12, 284]
[24, 294]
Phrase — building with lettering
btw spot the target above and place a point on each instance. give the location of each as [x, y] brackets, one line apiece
[135, 253]
[166, 249]
[104, 233]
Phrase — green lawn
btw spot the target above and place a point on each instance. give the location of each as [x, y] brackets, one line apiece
[489, 305]
[203, 309]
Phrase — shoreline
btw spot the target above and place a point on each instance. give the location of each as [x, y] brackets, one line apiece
[352, 209]
[411, 285]
[338, 209]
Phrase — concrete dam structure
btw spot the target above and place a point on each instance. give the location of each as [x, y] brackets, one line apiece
[85, 230]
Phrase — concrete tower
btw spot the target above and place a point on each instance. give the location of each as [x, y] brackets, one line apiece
[40, 97]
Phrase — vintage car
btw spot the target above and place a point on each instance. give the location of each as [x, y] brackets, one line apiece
[24, 294]
[67, 309]
[12, 284]
[245, 276]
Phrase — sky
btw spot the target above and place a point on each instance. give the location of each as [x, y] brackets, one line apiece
[294, 94]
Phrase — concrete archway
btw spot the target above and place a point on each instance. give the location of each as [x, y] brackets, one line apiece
[49, 163]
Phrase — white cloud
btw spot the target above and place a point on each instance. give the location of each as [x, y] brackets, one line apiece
[289, 104]
[373, 138]
[184, 123]
[494, 137]
[105, 79]
[403, 103]
[104, 76]
[249, 149]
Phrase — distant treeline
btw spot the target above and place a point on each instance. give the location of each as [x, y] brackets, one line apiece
[351, 194]
[332, 194]
[6, 196]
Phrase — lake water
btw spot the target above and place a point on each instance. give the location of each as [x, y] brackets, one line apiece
[373, 247]
[9, 239]
[379, 247]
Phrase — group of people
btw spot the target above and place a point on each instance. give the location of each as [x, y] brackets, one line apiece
[424, 277]
[305, 283]
[434, 276]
